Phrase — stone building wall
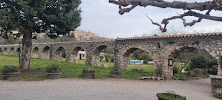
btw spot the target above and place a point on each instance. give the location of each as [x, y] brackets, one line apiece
[160, 48]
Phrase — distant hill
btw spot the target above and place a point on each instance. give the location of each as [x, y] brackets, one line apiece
[81, 35]
[77, 35]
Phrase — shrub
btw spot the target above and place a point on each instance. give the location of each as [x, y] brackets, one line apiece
[145, 56]
[101, 58]
[170, 95]
[145, 61]
[187, 67]
[181, 76]
[192, 73]
[9, 68]
[199, 72]
[198, 62]
[53, 68]
[213, 70]
[211, 63]
[131, 56]
[109, 57]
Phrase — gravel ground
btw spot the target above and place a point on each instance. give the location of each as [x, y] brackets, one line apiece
[107, 89]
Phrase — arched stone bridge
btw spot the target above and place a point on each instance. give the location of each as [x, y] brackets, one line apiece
[160, 48]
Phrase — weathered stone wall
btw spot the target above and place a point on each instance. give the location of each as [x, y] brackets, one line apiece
[160, 48]
[54, 51]
[216, 86]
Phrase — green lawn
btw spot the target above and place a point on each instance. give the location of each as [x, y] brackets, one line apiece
[71, 70]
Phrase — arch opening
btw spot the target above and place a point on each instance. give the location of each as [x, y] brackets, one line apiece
[35, 53]
[0, 50]
[193, 61]
[18, 51]
[5, 51]
[12, 52]
[46, 53]
[136, 57]
[99, 52]
[78, 53]
[60, 54]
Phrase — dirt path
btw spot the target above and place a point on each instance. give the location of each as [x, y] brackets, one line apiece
[108, 89]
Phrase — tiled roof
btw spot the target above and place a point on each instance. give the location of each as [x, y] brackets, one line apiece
[171, 36]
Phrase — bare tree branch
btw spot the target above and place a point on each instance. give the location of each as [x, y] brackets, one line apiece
[195, 14]
[160, 27]
[123, 10]
[209, 6]
[216, 4]
[189, 13]
[195, 21]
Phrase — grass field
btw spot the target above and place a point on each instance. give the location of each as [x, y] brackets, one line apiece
[71, 70]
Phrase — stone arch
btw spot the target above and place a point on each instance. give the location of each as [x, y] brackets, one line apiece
[5, 51]
[127, 52]
[0, 50]
[35, 52]
[75, 52]
[46, 53]
[171, 55]
[12, 51]
[93, 57]
[59, 54]
[130, 48]
[18, 51]
[122, 54]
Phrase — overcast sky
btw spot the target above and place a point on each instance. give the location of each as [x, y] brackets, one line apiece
[102, 18]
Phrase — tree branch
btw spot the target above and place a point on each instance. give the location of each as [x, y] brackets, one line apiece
[215, 4]
[209, 6]
[189, 13]
[160, 27]
[195, 21]
[123, 10]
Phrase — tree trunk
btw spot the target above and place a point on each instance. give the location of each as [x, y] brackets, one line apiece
[26, 51]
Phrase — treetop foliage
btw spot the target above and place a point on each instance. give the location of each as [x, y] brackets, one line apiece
[53, 17]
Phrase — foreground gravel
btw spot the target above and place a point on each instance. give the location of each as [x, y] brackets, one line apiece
[107, 89]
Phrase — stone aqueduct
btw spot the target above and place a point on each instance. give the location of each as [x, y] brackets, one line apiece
[159, 47]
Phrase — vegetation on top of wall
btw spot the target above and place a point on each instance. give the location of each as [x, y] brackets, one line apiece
[10, 40]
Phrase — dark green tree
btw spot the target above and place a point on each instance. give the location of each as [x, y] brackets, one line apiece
[198, 62]
[145, 56]
[54, 17]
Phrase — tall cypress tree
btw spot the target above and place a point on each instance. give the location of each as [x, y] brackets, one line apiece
[53, 17]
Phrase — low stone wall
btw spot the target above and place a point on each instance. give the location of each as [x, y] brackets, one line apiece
[216, 86]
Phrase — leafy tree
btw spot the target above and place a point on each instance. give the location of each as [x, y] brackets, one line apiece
[211, 63]
[145, 56]
[201, 62]
[198, 62]
[10, 39]
[132, 56]
[109, 57]
[193, 8]
[54, 17]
